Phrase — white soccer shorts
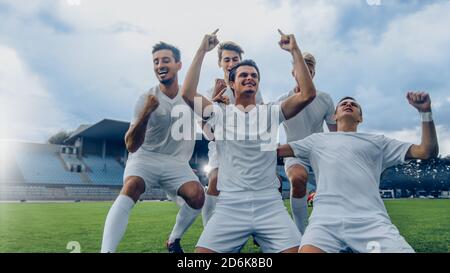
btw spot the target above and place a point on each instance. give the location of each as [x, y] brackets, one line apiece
[159, 169]
[241, 214]
[363, 235]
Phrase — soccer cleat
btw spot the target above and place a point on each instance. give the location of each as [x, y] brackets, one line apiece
[174, 247]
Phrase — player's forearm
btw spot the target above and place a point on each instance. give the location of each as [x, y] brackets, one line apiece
[303, 76]
[429, 144]
[428, 147]
[190, 84]
[135, 136]
[294, 104]
[285, 150]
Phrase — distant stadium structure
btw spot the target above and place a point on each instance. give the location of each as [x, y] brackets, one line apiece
[88, 166]
[90, 163]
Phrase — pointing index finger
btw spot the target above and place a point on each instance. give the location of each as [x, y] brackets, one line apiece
[215, 32]
[281, 32]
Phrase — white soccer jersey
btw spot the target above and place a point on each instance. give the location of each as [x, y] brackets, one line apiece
[246, 162]
[348, 167]
[158, 137]
[310, 119]
[212, 150]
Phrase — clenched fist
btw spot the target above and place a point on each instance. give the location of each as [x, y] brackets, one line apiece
[419, 100]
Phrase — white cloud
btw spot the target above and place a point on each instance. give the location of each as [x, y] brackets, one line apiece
[28, 111]
[107, 57]
[422, 37]
[371, 98]
[105, 62]
[411, 54]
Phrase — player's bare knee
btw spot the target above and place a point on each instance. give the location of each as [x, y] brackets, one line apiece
[203, 250]
[310, 249]
[193, 193]
[134, 186]
[298, 188]
[197, 201]
[294, 249]
[299, 178]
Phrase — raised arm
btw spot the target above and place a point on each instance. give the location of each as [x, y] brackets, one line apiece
[136, 133]
[428, 147]
[190, 84]
[295, 103]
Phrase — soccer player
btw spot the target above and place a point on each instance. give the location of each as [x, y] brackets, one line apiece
[156, 158]
[307, 122]
[348, 210]
[229, 54]
[249, 202]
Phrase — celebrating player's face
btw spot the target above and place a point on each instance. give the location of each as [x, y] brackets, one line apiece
[229, 59]
[349, 108]
[247, 80]
[165, 66]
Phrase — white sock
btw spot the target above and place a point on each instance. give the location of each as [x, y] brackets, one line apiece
[185, 217]
[299, 207]
[208, 208]
[116, 223]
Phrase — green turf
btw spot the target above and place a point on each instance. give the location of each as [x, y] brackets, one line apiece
[48, 227]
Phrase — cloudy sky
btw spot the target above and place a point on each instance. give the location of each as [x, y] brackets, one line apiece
[70, 62]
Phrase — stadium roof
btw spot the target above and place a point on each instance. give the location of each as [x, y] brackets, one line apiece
[105, 129]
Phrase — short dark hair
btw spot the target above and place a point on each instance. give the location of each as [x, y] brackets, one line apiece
[162, 45]
[228, 45]
[232, 75]
[348, 98]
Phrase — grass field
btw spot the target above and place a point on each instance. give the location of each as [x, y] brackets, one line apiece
[48, 227]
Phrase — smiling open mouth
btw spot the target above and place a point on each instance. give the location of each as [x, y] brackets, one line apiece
[163, 72]
[249, 84]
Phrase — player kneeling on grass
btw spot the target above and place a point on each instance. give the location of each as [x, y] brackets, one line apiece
[348, 210]
[249, 202]
[306, 123]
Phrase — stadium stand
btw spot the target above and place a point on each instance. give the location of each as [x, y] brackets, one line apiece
[89, 166]
[104, 171]
[39, 163]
